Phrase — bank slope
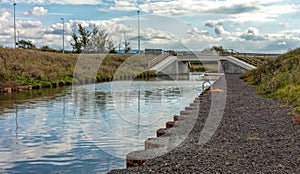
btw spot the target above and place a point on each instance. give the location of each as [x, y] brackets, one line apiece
[279, 78]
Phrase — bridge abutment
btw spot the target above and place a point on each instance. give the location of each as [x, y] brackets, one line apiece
[175, 66]
[183, 67]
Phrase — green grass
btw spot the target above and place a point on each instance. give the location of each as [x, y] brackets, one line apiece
[207, 67]
[278, 78]
[21, 67]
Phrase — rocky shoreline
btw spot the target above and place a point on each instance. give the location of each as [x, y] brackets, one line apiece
[255, 135]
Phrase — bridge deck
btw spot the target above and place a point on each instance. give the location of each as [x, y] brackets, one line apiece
[177, 64]
[199, 58]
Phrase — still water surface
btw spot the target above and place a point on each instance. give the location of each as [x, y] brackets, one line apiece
[86, 129]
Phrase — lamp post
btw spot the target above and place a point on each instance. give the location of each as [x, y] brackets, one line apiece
[18, 37]
[15, 37]
[63, 43]
[139, 33]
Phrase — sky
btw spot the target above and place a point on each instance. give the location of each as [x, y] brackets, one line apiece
[262, 26]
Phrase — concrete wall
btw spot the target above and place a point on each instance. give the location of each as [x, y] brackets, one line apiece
[231, 68]
[183, 68]
[233, 65]
[169, 69]
[176, 68]
[228, 64]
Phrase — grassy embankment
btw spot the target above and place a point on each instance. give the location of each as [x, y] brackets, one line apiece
[206, 67]
[278, 78]
[19, 67]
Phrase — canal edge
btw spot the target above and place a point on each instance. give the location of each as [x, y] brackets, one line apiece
[173, 131]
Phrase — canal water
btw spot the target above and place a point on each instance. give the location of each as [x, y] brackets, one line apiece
[89, 128]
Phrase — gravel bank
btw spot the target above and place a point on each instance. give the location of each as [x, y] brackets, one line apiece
[256, 135]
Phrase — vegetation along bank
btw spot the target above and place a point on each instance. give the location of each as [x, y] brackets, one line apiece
[278, 78]
[21, 69]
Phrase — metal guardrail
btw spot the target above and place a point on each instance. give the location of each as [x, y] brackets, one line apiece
[157, 60]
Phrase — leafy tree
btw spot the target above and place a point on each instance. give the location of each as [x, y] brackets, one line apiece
[219, 49]
[127, 43]
[77, 45]
[26, 44]
[47, 48]
[111, 47]
[85, 35]
[95, 41]
[127, 48]
[80, 42]
[99, 41]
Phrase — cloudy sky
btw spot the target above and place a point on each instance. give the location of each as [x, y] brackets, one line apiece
[271, 26]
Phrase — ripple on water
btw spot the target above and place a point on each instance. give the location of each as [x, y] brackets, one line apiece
[80, 132]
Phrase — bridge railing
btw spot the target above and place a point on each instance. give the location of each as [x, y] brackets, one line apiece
[251, 60]
[157, 60]
[181, 56]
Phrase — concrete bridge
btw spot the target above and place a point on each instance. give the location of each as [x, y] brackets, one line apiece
[181, 64]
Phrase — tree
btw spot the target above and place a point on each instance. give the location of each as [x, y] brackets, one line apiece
[219, 49]
[85, 35]
[81, 41]
[99, 41]
[111, 47]
[77, 45]
[26, 44]
[47, 48]
[95, 41]
[127, 43]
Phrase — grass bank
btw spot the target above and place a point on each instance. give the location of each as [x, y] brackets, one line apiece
[278, 78]
[19, 67]
[22, 67]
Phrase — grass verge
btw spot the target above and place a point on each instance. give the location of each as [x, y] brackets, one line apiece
[278, 78]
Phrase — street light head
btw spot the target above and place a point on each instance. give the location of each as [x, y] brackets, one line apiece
[15, 3]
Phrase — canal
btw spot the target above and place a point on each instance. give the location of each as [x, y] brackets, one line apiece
[89, 128]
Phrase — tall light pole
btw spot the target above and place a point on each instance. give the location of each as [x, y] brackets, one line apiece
[15, 35]
[18, 36]
[139, 33]
[63, 43]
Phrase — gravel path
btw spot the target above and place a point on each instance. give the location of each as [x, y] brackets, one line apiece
[256, 135]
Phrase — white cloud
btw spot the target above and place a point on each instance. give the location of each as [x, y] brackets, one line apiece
[28, 30]
[6, 27]
[218, 27]
[229, 24]
[214, 23]
[195, 32]
[284, 24]
[252, 31]
[282, 43]
[36, 11]
[219, 30]
[292, 32]
[235, 10]
[77, 2]
[252, 34]
[4, 18]
[122, 5]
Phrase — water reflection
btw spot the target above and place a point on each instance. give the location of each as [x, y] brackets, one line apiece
[118, 116]
[17, 125]
[87, 130]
